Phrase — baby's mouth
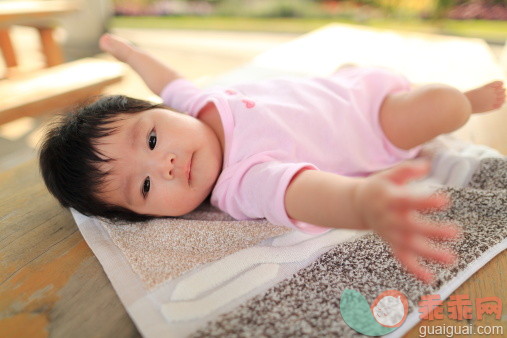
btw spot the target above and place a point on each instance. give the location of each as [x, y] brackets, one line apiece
[188, 170]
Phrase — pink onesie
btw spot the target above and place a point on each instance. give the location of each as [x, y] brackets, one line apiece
[277, 127]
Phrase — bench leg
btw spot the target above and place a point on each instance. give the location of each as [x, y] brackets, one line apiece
[7, 48]
[50, 47]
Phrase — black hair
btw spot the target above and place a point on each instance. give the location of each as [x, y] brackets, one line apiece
[69, 161]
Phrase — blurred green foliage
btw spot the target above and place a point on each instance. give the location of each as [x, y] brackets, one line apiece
[304, 15]
[434, 9]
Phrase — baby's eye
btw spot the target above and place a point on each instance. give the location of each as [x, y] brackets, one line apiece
[146, 186]
[152, 139]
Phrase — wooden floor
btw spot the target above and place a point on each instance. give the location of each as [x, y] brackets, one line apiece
[53, 284]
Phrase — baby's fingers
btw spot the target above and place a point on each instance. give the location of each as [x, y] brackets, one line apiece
[421, 248]
[407, 171]
[437, 231]
[116, 46]
[434, 202]
[417, 244]
[409, 261]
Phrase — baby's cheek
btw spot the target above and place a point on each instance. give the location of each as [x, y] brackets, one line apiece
[182, 201]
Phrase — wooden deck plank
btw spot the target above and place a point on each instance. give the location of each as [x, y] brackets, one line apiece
[55, 88]
[7, 48]
[51, 283]
[50, 47]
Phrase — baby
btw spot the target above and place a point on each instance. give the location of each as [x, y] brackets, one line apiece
[308, 153]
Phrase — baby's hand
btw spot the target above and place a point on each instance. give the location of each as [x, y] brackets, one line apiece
[154, 73]
[116, 46]
[389, 208]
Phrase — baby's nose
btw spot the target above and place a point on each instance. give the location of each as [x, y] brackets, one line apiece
[167, 167]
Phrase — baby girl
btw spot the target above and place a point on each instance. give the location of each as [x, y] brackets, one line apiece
[307, 153]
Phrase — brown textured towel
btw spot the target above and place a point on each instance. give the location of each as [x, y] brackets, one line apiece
[307, 305]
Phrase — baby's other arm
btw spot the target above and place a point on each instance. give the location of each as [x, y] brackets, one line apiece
[154, 73]
[380, 202]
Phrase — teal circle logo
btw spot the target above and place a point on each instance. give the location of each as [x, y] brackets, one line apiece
[387, 312]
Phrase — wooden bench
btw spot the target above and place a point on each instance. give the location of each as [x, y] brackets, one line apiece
[56, 88]
[37, 14]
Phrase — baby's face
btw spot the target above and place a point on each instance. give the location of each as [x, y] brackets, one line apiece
[166, 163]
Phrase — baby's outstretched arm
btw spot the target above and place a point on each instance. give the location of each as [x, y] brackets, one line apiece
[154, 73]
[380, 202]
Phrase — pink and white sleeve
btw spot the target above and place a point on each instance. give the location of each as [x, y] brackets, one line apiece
[184, 96]
[259, 192]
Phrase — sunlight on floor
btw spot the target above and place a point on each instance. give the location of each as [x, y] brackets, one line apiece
[16, 129]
